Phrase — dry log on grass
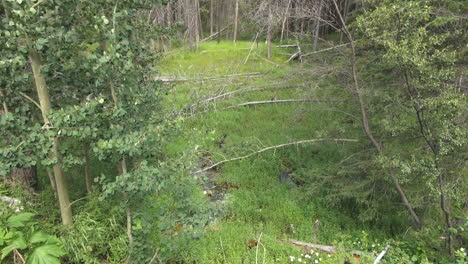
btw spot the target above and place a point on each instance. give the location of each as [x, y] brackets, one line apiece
[246, 90]
[327, 49]
[285, 101]
[381, 255]
[210, 37]
[295, 56]
[323, 248]
[287, 46]
[274, 148]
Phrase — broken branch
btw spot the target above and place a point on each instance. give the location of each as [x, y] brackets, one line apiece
[285, 101]
[324, 248]
[274, 148]
[381, 255]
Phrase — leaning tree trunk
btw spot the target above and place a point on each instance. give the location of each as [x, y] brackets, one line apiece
[44, 101]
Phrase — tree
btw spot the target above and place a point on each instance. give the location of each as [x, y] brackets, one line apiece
[89, 49]
[419, 42]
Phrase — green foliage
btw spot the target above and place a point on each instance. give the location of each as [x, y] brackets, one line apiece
[97, 234]
[19, 237]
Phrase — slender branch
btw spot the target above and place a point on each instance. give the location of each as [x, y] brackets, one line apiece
[82, 198]
[215, 34]
[155, 256]
[274, 148]
[319, 51]
[30, 99]
[256, 250]
[284, 101]
[245, 90]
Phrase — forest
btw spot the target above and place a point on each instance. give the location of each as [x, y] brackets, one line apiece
[233, 131]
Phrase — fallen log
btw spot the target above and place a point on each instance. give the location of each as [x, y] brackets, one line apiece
[285, 101]
[245, 90]
[274, 148]
[295, 56]
[381, 255]
[323, 248]
[319, 51]
[215, 34]
[287, 46]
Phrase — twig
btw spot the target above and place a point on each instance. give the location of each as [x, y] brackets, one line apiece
[82, 198]
[381, 255]
[16, 252]
[251, 48]
[222, 249]
[156, 253]
[30, 99]
[256, 250]
[274, 148]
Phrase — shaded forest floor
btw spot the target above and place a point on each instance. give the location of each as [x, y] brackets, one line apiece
[255, 209]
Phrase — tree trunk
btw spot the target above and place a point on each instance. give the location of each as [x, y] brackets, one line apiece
[236, 18]
[26, 177]
[4, 103]
[218, 20]
[345, 17]
[197, 23]
[44, 100]
[212, 12]
[317, 26]
[283, 27]
[270, 21]
[52, 181]
[87, 169]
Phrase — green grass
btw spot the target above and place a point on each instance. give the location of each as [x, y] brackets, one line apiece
[260, 206]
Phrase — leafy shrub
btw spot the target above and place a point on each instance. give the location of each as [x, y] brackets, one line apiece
[19, 238]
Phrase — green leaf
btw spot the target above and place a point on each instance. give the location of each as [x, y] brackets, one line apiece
[38, 237]
[18, 243]
[19, 219]
[46, 254]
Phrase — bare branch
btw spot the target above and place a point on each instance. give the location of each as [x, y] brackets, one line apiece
[274, 148]
[30, 99]
[284, 101]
